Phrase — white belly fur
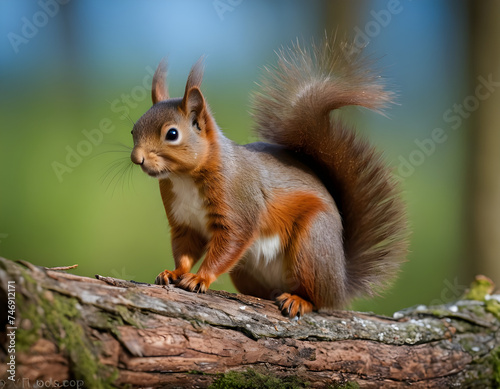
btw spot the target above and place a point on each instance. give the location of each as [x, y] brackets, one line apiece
[265, 259]
[187, 206]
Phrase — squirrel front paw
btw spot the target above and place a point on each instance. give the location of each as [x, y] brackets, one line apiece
[293, 306]
[195, 282]
[167, 277]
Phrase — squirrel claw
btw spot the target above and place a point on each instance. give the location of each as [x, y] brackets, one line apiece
[293, 306]
[194, 283]
[159, 280]
[166, 277]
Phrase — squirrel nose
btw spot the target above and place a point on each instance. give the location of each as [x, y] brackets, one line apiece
[137, 156]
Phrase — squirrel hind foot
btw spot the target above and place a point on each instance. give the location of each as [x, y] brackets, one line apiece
[293, 306]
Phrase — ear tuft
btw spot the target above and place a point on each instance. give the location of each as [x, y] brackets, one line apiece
[193, 101]
[159, 91]
[195, 75]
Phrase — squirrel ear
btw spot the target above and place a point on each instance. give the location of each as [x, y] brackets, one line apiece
[193, 101]
[159, 91]
[195, 75]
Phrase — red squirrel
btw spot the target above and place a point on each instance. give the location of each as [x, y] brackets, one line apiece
[311, 219]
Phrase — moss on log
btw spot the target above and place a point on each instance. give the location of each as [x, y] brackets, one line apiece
[106, 332]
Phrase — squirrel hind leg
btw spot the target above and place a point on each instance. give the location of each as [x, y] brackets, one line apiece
[290, 305]
[293, 306]
[246, 283]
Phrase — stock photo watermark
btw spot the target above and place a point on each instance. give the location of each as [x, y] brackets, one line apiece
[451, 291]
[123, 274]
[11, 330]
[454, 117]
[224, 6]
[93, 138]
[3, 236]
[379, 20]
[27, 383]
[12, 377]
[31, 26]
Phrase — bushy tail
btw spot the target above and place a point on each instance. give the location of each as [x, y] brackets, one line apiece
[293, 109]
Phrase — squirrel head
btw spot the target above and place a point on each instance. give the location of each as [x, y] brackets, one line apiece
[174, 135]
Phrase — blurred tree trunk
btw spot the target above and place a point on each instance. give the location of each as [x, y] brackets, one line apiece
[341, 17]
[485, 137]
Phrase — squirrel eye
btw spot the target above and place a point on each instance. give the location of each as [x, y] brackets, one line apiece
[172, 135]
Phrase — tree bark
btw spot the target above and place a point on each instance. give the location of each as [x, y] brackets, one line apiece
[105, 332]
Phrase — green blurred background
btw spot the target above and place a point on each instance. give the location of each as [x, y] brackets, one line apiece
[74, 75]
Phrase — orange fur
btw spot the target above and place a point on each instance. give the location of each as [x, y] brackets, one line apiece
[293, 109]
[229, 241]
[293, 305]
[319, 182]
[290, 215]
[188, 245]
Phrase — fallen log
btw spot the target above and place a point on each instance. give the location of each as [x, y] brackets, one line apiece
[105, 332]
